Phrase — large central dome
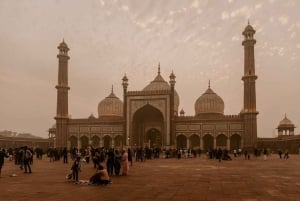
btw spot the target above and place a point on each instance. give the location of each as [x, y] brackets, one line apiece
[159, 84]
[209, 103]
[110, 106]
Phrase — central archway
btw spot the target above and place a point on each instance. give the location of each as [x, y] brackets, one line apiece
[153, 136]
[147, 127]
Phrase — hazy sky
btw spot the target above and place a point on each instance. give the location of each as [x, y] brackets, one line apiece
[199, 40]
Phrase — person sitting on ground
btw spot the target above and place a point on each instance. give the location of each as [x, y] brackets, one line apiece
[100, 177]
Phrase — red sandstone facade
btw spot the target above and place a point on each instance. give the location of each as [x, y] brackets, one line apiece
[150, 117]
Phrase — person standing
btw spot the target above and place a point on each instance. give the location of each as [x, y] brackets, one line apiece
[129, 156]
[76, 168]
[65, 155]
[117, 164]
[265, 154]
[110, 161]
[124, 162]
[286, 154]
[27, 159]
[3, 155]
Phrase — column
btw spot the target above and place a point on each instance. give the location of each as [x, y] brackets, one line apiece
[187, 143]
[78, 143]
[90, 141]
[215, 142]
[201, 143]
[68, 145]
[101, 142]
[242, 143]
[228, 143]
[112, 142]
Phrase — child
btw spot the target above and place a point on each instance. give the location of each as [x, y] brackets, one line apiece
[76, 168]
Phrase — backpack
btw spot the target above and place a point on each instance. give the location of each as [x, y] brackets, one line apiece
[28, 154]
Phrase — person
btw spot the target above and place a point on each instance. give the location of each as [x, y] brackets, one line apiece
[117, 164]
[3, 155]
[76, 168]
[124, 162]
[265, 154]
[129, 156]
[100, 177]
[27, 159]
[65, 155]
[247, 155]
[21, 155]
[280, 153]
[286, 154]
[110, 161]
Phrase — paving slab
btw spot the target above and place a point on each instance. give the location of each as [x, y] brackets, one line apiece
[192, 179]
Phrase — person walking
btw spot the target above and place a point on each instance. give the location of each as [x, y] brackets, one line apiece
[27, 158]
[65, 155]
[3, 155]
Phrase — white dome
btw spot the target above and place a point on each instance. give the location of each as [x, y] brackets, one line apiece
[110, 106]
[160, 84]
[209, 103]
[285, 122]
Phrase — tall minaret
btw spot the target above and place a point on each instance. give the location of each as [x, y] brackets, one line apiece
[126, 139]
[62, 114]
[172, 113]
[249, 111]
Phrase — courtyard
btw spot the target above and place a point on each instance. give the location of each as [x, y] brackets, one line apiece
[190, 179]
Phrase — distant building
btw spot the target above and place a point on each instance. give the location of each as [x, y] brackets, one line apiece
[9, 139]
[286, 139]
[150, 117]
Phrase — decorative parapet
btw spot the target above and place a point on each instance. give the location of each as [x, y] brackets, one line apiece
[147, 93]
[233, 116]
[108, 119]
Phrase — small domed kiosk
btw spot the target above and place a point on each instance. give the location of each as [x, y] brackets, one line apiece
[285, 127]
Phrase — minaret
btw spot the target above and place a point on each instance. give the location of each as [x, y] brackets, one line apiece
[62, 114]
[172, 113]
[126, 139]
[249, 111]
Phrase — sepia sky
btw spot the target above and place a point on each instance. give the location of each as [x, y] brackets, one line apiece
[199, 40]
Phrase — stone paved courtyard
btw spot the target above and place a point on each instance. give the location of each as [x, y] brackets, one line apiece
[161, 179]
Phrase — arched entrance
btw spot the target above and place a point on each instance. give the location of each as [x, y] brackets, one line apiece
[154, 137]
[107, 142]
[194, 141]
[73, 142]
[147, 127]
[84, 142]
[208, 142]
[95, 141]
[235, 142]
[118, 141]
[221, 141]
[181, 142]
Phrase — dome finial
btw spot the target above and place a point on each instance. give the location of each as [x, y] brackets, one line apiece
[112, 88]
[248, 21]
[285, 115]
[208, 83]
[158, 68]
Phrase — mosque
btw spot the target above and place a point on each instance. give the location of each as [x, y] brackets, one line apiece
[151, 117]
